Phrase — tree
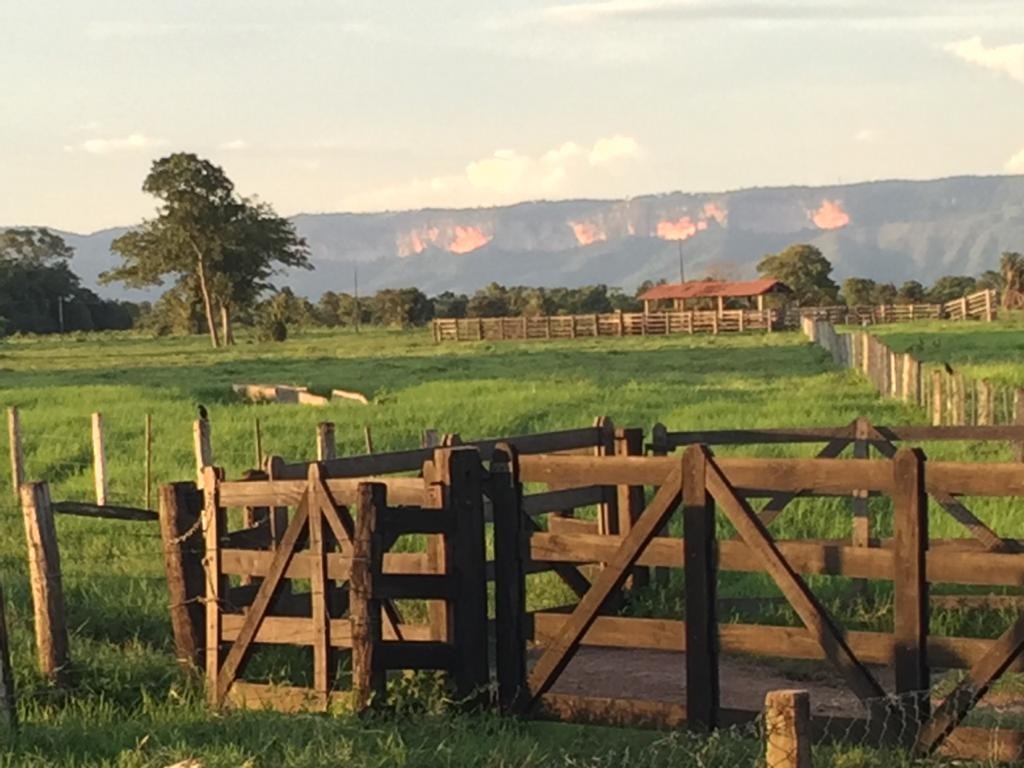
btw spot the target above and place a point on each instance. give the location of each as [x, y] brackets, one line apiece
[401, 307]
[208, 238]
[858, 291]
[492, 301]
[449, 304]
[911, 292]
[950, 287]
[1011, 268]
[805, 271]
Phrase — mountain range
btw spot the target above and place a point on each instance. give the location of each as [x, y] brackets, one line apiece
[886, 230]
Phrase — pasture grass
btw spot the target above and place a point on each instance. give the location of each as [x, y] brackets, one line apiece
[133, 707]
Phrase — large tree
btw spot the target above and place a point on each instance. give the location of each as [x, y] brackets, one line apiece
[210, 240]
[805, 271]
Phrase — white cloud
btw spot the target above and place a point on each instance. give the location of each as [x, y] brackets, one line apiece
[866, 136]
[235, 145]
[1016, 163]
[612, 148]
[507, 175]
[1005, 59]
[132, 143]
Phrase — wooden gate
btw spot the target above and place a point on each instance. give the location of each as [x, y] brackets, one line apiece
[322, 578]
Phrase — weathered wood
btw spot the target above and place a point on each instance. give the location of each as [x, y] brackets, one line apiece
[257, 442]
[213, 524]
[607, 510]
[16, 452]
[51, 626]
[630, 498]
[326, 447]
[814, 617]
[149, 461]
[463, 470]
[506, 493]
[407, 491]
[861, 514]
[182, 537]
[985, 411]
[569, 498]
[701, 578]
[318, 594]
[938, 406]
[202, 446]
[910, 589]
[1018, 420]
[106, 512]
[365, 609]
[558, 655]
[8, 702]
[368, 438]
[778, 502]
[787, 729]
[99, 459]
[952, 711]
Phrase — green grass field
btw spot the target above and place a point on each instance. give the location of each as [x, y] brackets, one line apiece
[132, 707]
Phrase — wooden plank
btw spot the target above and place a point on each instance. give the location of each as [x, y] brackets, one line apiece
[787, 726]
[814, 617]
[202, 446]
[910, 590]
[17, 453]
[568, 498]
[99, 459]
[51, 628]
[216, 585]
[775, 506]
[182, 539]
[419, 655]
[861, 516]
[268, 587]
[701, 579]
[318, 592]
[398, 521]
[558, 655]
[673, 440]
[368, 677]
[407, 491]
[105, 512]
[506, 493]
[952, 711]
[965, 479]
[439, 586]
[326, 445]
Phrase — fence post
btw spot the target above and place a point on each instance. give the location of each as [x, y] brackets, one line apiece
[607, 511]
[630, 442]
[99, 459]
[787, 729]
[368, 678]
[700, 592]
[368, 438]
[463, 472]
[8, 704]
[149, 461]
[1018, 419]
[937, 405]
[181, 532]
[984, 397]
[326, 448]
[506, 493]
[47, 588]
[257, 439]
[910, 590]
[959, 400]
[861, 534]
[14, 443]
[202, 445]
[214, 523]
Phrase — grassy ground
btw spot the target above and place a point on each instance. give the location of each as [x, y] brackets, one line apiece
[132, 706]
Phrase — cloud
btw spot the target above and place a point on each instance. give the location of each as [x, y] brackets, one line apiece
[866, 136]
[608, 150]
[235, 145]
[507, 175]
[593, 11]
[1016, 163]
[134, 142]
[1005, 59]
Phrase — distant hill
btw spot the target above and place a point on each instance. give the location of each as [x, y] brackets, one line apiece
[885, 230]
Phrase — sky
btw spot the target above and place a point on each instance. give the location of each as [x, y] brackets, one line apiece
[321, 106]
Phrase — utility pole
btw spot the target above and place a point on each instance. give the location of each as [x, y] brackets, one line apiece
[60, 312]
[682, 272]
[355, 291]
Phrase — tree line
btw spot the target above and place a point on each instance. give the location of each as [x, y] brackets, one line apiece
[217, 251]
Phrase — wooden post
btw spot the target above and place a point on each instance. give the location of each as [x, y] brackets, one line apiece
[787, 729]
[509, 577]
[47, 590]
[278, 515]
[937, 405]
[202, 445]
[701, 576]
[149, 461]
[461, 466]
[326, 448]
[368, 438]
[984, 398]
[988, 306]
[214, 522]
[910, 590]
[368, 678]
[8, 703]
[861, 514]
[181, 532]
[607, 511]
[630, 498]
[99, 459]
[1018, 418]
[959, 400]
[17, 454]
[257, 439]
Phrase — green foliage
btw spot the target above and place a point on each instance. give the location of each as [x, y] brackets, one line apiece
[911, 292]
[951, 287]
[859, 291]
[805, 271]
[208, 239]
[401, 307]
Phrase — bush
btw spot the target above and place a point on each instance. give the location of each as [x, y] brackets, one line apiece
[274, 330]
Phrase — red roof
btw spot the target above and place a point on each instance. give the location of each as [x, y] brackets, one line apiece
[704, 289]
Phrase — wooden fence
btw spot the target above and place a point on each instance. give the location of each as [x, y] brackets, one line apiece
[947, 396]
[980, 305]
[614, 324]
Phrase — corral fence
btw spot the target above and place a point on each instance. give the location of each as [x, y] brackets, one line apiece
[979, 306]
[946, 395]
